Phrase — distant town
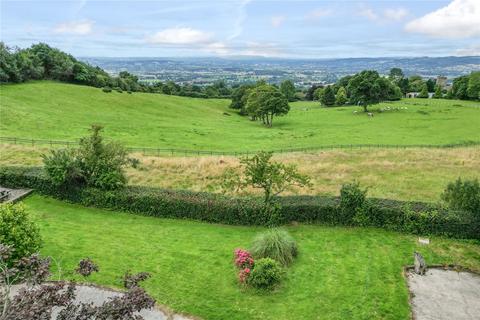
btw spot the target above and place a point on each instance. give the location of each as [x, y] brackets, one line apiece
[304, 73]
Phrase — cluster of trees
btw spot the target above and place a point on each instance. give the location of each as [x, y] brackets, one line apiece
[363, 89]
[466, 87]
[41, 61]
[262, 101]
[216, 90]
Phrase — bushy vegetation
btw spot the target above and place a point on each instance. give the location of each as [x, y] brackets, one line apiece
[94, 164]
[266, 274]
[463, 195]
[18, 230]
[276, 244]
[412, 217]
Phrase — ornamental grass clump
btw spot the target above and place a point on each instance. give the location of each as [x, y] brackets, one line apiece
[276, 244]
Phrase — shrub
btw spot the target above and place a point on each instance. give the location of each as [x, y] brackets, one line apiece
[94, 163]
[63, 167]
[463, 195]
[276, 244]
[243, 259]
[107, 89]
[18, 230]
[266, 274]
[352, 199]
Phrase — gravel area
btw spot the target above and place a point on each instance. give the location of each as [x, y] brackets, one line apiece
[97, 295]
[445, 295]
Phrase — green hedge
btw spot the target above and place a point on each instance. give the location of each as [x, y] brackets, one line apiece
[411, 217]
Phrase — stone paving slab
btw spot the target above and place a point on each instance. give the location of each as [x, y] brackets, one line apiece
[445, 295]
[98, 295]
[15, 194]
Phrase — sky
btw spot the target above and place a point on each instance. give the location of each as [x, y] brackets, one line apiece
[267, 28]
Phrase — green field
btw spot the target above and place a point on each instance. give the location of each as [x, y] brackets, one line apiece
[341, 273]
[52, 110]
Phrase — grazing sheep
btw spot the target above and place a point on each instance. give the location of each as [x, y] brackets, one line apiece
[370, 115]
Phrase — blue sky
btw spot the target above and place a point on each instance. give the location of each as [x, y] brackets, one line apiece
[292, 29]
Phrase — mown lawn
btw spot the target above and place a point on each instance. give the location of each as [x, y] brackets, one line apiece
[52, 110]
[341, 273]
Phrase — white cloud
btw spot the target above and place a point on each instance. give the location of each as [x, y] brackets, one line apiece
[396, 14]
[459, 19]
[75, 27]
[241, 17]
[180, 36]
[471, 51]
[369, 14]
[219, 48]
[318, 13]
[277, 21]
[388, 15]
[261, 49]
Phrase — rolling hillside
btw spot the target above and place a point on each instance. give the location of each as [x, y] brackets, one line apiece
[52, 110]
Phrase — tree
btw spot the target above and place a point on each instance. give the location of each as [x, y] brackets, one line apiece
[367, 88]
[341, 97]
[460, 87]
[328, 97]
[415, 83]
[310, 94]
[317, 95]
[404, 85]
[424, 92]
[430, 85]
[473, 88]
[288, 89]
[264, 102]
[395, 75]
[438, 93]
[240, 96]
[261, 172]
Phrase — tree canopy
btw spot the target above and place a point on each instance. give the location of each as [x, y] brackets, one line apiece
[266, 101]
[367, 88]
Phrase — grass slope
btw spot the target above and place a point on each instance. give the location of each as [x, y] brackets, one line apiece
[341, 273]
[51, 110]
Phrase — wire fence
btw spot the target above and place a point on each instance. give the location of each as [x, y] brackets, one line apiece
[190, 152]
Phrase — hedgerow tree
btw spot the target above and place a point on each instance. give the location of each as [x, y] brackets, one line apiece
[264, 102]
[367, 88]
[261, 172]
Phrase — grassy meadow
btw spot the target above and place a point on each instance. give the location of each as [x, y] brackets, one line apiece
[341, 273]
[59, 111]
[403, 174]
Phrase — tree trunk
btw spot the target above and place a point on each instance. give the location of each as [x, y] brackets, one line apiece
[365, 108]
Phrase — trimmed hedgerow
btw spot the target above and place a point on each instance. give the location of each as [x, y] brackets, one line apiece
[411, 217]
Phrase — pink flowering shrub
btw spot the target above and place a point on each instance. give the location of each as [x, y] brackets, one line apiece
[243, 261]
